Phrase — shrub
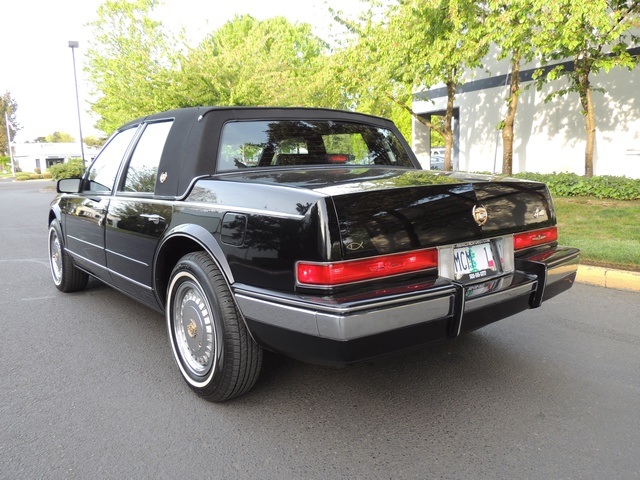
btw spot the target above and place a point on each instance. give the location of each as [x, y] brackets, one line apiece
[70, 169]
[46, 175]
[21, 177]
[35, 176]
[572, 185]
[5, 163]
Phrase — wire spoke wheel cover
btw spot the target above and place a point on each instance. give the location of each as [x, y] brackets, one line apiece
[194, 328]
[55, 256]
[66, 277]
[210, 342]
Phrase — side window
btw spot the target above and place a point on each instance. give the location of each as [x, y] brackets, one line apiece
[103, 171]
[143, 166]
[243, 145]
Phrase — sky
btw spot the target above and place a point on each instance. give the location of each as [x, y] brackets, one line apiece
[37, 63]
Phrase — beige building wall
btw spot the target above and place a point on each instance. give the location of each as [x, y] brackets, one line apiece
[549, 136]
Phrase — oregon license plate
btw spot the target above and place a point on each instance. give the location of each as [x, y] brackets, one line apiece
[474, 261]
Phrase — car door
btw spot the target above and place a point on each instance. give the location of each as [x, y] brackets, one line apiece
[137, 219]
[85, 213]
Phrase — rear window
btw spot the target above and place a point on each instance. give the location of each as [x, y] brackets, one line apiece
[306, 142]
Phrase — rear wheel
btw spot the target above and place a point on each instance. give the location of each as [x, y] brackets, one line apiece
[211, 345]
[66, 277]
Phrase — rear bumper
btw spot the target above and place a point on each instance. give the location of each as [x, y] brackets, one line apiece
[363, 325]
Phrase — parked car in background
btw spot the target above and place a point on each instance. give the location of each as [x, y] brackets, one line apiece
[437, 162]
[309, 232]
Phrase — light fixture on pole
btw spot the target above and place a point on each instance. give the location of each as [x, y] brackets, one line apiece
[73, 45]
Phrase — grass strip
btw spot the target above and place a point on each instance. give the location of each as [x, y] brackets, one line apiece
[607, 231]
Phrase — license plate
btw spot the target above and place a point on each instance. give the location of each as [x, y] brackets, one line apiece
[474, 261]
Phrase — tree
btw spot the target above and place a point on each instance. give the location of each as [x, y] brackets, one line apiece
[8, 107]
[353, 77]
[137, 69]
[129, 63]
[418, 44]
[91, 141]
[252, 62]
[510, 26]
[59, 137]
[596, 35]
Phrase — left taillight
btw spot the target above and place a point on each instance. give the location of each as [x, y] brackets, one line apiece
[351, 271]
[534, 238]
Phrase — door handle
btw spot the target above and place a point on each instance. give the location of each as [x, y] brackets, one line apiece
[152, 217]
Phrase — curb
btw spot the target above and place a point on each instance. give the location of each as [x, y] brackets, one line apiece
[609, 278]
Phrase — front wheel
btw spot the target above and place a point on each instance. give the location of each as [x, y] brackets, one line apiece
[66, 277]
[210, 343]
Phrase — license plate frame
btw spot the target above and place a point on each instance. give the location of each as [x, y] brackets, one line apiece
[476, 261]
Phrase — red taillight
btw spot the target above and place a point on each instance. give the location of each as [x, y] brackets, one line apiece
[534, 238]
[339, 273]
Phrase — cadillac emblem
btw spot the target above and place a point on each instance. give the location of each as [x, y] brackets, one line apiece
[480, 214]
[163, 177]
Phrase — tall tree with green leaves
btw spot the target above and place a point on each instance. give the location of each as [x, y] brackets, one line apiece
[419, 44]
[510, 25]
[356, 75]
[137, 69]
[8, 108]
[253, 62]
[56, 137]
[130, 62]
[596, 35]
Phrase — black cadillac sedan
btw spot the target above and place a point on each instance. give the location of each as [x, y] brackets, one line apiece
[309, 232]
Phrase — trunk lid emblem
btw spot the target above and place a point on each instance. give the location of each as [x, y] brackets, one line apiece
[480, 214]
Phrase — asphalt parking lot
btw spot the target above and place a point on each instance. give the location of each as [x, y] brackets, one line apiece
[89, 390]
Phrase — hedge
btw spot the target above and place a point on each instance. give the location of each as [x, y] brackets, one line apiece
[71, 169]
[572, 185]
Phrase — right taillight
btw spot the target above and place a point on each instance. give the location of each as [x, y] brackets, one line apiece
[535, 238]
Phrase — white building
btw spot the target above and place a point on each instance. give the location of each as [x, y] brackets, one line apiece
[548, 137]
[30, 157]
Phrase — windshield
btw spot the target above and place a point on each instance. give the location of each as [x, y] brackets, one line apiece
[307, 142]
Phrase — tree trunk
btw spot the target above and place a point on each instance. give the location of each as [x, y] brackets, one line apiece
[583, 69]
[590, 124]
[509, 120]
[448, 128]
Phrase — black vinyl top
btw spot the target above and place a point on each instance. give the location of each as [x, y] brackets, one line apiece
[192, 145]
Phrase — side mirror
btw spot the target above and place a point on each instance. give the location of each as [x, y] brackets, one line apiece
[69, 185]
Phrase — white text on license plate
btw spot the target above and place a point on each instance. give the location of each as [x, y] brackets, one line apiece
[474, 261]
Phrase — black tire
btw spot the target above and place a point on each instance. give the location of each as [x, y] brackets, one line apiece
[66, 276]
[210, 343]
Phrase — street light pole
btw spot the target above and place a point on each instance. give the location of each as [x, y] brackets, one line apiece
[73, 45]
[9, 128]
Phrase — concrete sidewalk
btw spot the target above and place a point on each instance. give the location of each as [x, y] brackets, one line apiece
[609, 278]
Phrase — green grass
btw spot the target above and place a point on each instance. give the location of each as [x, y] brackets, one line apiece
[607, 231]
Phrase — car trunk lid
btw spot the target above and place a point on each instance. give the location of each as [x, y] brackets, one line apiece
[419, 210]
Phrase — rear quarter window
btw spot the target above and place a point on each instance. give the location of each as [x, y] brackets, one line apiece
[142, 170]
